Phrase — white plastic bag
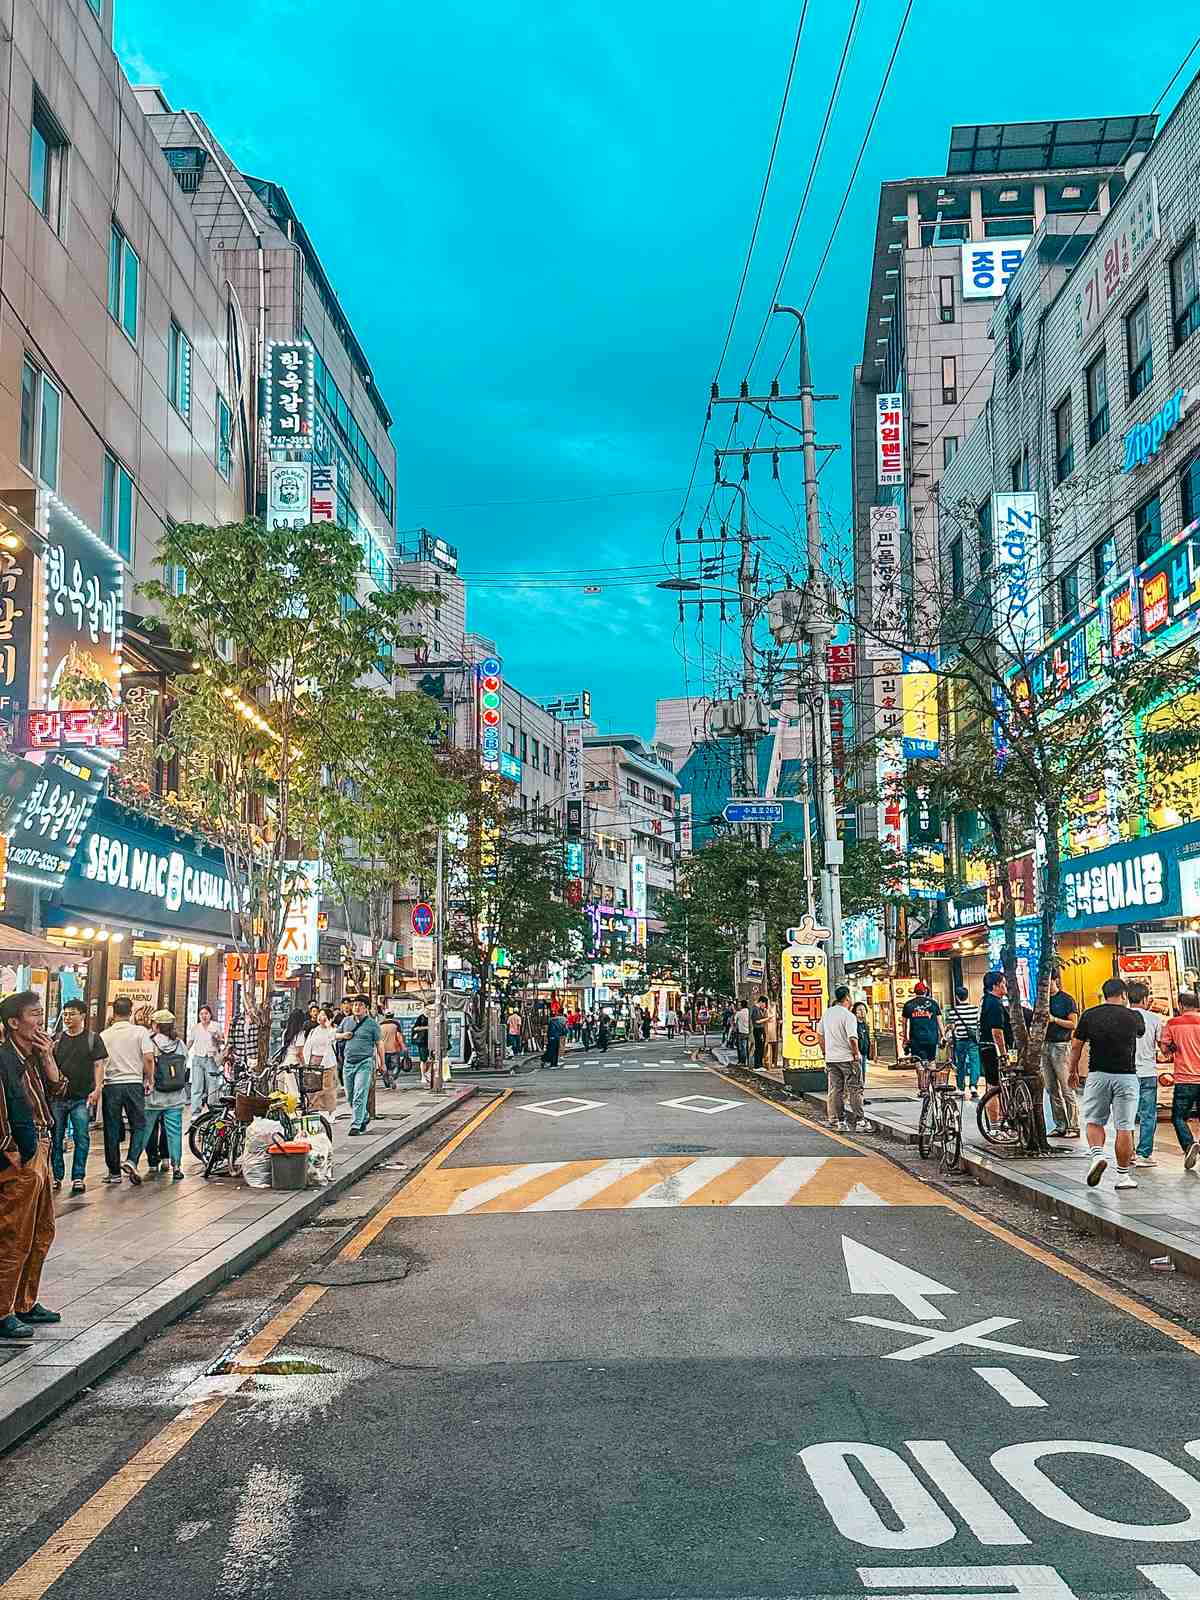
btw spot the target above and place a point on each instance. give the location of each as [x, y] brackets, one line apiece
[320, 1161]
[256, 1163]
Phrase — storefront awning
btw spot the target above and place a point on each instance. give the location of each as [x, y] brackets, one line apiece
[945, 944]
[29, 950]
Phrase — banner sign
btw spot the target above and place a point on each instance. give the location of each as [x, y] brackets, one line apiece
[573, 744]
[51, 807]
[1017, 571]
[84, 597]
[289, 494]
[805, 994]
[16, 626]
[487, 675]
[289, 394]
[637, 885]
[919, 739]
[886, 626]
[685, 823]
[322, 500]
[988, 264]
[889, 440]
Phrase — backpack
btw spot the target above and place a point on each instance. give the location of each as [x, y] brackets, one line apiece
[170, 1068]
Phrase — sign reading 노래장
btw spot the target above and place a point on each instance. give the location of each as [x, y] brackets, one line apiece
[804, 991]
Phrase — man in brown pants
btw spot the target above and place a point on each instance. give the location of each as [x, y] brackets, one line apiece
[29, 1077]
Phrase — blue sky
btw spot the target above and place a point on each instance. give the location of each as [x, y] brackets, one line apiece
[536, 215]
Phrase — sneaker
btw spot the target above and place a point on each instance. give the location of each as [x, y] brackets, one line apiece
[57, 1184]
[1125, 1180]
[176, 1174]
[1096, 1171]
[842, 1127]
[1192, 1156]
[1058, 1133]
[132, 1173]
[79, 1187]
[1144, 1161]
[38, 1315]
[14, 1331]
[112, 1177]
[354, 1133]
[864, 1126]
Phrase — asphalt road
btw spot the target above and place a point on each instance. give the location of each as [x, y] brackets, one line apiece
[641, 1335]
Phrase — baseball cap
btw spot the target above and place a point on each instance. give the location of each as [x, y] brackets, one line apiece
[920, 987]
[163, 1016]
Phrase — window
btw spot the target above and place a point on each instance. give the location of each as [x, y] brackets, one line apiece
[124, 271]
[1147, 527]
[1064, 447]
[179, 371]
[1096, 376]
[1016, 337]
[175, 581]
[1104, 560]
[1185, 292]
[946, 299]
[333, 404]
[957, 585]
[557, 765]
[116, 515]
[41, 422]
[524, 747]
[668, 801]
[48, 165]
[949, 380]
[512, 739]
[983, 513]
[1018, 472]
[631, 785]
[1137, 344]
[949, 448]
[187, 162]
[537, 765]
[1068, 592]
[1189, 491]
[545, 758]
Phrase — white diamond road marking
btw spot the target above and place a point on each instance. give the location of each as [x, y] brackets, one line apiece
[569, 1106]
[691, 1102]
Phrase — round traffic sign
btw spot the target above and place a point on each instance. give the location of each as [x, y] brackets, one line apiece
[422, 918]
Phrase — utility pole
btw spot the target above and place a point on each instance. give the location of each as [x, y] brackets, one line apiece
[436, 1023]
[819, 606]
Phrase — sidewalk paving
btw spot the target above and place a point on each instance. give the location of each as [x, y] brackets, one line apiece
[127, 1261]
[1161, 1217]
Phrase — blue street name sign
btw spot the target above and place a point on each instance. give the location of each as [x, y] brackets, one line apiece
[753, 811]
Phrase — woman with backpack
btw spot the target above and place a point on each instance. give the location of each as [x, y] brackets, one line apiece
[166, 1100]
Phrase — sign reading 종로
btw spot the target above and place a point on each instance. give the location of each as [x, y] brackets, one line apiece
[988, 264]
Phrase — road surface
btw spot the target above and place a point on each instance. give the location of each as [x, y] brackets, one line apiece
[635, 1334]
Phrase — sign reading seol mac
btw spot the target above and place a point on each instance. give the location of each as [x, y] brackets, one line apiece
[135, 874]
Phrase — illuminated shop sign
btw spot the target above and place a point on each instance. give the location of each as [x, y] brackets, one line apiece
[889, 439]
[1146, 439]
[1133, 882]
[65, 730]
[487, 675]
[289, 398]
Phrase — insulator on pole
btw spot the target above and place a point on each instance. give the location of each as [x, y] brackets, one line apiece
[681, 608]
[774, 388]
[678, 535]
[724, 531]
[744, 391]
[715, 391]
[724, 618]
[775, 465]
[745, 466]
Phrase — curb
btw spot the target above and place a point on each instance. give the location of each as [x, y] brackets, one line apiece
[34, 1394]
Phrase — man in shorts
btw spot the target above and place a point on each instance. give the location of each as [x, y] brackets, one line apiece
[1111, 1030]
[922, 1024]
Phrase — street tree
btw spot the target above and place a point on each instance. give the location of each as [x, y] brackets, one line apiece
[281, 645]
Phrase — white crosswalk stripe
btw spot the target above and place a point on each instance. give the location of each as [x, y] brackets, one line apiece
[580, 1189]
[778, 1187]
[482, 1192]
[686, 1183]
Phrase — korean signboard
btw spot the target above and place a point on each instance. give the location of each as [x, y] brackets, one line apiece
[84, 590]
[889, 439]
[841, 657]
[637, 885]
[887, 605]
[489, 689]
[889, 759]
[1017, 572]
[685, 823]
[573, 745]
[804, 990]
[988, 264]
[289, 494]
[16, 627]
[1116, 258]
[301, 937]
[126, 873]
[69, 730]
[1158, 969]
[322, 499]
[919, 738]
[1022, 882]
[49, 818]
[289, 398]
[573, 857]
[1130, 882]
[510, 767]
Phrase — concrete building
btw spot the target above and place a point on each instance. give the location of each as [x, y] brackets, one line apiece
[634, 793]
[680, 724]
[945, 247]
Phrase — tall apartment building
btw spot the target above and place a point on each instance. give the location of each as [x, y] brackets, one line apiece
[632, 793]
[945, 248]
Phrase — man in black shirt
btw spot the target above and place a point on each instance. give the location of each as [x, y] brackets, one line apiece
[80, 1055]
[995, 1033]
[1111, 1030]
[1055, 1063]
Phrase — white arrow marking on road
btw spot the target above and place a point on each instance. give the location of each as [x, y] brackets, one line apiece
[1009, 1387]
[947, 1338]
[872, 1273]
[1176, 1582]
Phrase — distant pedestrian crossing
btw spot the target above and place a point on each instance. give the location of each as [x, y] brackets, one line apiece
[636, 1182]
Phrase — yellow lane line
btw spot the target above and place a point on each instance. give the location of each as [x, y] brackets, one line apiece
[43, 1569]
[1035, 1252]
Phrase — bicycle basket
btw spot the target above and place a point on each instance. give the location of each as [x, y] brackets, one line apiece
[312, 1080]
[934, 1077]
[249, 1106]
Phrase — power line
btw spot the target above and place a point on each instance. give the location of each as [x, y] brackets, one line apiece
[568, 500]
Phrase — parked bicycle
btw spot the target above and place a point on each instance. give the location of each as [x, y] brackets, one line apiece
[1006, 1113]
[939, 1131]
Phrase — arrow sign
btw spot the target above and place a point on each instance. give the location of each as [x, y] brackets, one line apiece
[870, 1273]
[753, 811]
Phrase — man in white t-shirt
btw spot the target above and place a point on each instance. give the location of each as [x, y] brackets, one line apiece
[843, 1064]
[741, 1032]
[1146, 1061]
[128, 1074]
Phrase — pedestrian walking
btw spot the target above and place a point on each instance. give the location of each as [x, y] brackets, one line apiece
[389, 1038]
[758, 1018]
[963, 1021]
[1145, 1059]
[843, 1063]
[30, 1081]
[364, 1053]
[727, 1029]
[205, 1048]
[1111, 1031]
[555, 1029]
[1056, 1065]
[922, 1024]
[241, 1049]
[672, 1021]
[420, 1038]
[603, 1031]
[1181, 1046]
[646, 1022]
[995, 1033]
[166, 1096]
[741, 1033]
[317, 1055]
[512, 1033]
[80, 1055]
[128, 1074]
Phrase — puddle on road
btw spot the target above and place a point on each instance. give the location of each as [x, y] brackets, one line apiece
[289, 1368]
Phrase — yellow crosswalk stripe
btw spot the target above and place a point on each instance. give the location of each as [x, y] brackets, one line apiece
[640, 1182]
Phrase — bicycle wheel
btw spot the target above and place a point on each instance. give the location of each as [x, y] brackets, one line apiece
[1022, 1116]
[926, 1127]
[1000, 1133]
[217, 1150]
[951, 1153]
[199, 1133]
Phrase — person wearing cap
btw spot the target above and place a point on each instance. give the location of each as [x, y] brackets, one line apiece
[166, 1096]
[128, 1074]
[922, 1019]
[30, 1079]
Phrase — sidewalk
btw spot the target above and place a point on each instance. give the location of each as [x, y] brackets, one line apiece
[127, 1261]
[1161, 1217]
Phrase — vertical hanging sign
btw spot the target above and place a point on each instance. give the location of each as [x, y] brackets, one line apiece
[573, 741]
[487, 675]
[889, 440]
[289, 395]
